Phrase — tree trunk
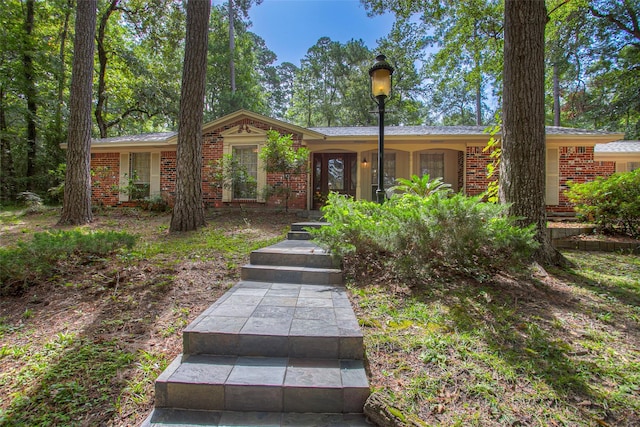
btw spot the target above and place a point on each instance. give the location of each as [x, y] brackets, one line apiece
[479, 105]
[556, 96]
[62, 78]
[7, 173]
[188, 211]
[232, 48]
[76, 208]
[522, 166]
[101, 104]
[30, 93]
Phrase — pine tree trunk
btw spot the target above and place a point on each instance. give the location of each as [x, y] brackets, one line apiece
[30, 94]
[76, 207]
[101, 104]
[556, 96]
[232, 48]
[522, 167]
[188, 211]
[7, 172]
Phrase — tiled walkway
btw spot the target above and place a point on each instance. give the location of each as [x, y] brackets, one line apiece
[282, 351]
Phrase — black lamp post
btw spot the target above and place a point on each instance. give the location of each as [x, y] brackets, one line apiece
[380, 75]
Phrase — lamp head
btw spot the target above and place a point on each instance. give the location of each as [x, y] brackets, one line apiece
[380, 75]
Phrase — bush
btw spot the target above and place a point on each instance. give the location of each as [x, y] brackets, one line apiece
[612, 203]
[31, 261]
[416, 235]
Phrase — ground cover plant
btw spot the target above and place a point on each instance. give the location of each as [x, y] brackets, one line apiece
[89, 325]
[532, 347]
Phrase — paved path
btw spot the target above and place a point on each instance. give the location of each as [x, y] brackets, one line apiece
[281, 348]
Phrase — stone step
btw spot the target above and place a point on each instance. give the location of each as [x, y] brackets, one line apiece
[304, 226]
[277, 320]
[296, 254]
[290, 274]
[299, 235]
[165, 417]
[222, 383]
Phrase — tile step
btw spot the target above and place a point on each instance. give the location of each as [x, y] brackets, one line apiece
[277, 320]
[299, 235]
[165, 417]
[218, 383]
[295, 253]
[289, 274]
[304, 225]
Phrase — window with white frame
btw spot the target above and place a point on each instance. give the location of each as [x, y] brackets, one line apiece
[245, 174]
[139, 175]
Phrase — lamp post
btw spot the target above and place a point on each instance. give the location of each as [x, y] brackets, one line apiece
[380, 75]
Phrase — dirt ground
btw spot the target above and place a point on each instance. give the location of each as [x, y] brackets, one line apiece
[141, 304]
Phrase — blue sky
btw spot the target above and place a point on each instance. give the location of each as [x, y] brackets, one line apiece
[291, 27]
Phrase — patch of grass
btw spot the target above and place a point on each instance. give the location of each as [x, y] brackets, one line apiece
[563, 351]
[87, 341]
[206, 243]
[31, 260]
[66, 379]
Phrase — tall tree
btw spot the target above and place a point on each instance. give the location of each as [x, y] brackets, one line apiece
[252, 61]
[235, 6]
[30, 92]
[188, 211]
[522, 166]
[76, 208]
[331, 86]
[467, 62]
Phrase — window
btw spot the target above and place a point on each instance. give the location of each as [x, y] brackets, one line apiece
[389, 172]
[631, 166]
[432, 164]
[245, 174]
[139, 175]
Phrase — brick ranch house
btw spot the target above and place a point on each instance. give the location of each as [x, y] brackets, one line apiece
[343, 159]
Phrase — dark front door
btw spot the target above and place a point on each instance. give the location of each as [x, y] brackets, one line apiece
[333, 172]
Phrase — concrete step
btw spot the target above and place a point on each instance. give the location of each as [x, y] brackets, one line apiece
[221, 383]
[289, 274]
[304, 226]
[277, 320]
[299, 235]
[165, 417]
[296, 254]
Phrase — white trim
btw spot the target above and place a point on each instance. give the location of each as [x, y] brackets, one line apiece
[123, 196]
[154, 175]
[552, 185]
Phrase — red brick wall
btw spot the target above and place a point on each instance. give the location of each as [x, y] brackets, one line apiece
[105, 178]
[212, 149]
[576, 164]
[476, 173]
[168, 176]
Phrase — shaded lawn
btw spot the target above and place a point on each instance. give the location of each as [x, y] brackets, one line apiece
[557, 348]
[84, 345]
[546, 348]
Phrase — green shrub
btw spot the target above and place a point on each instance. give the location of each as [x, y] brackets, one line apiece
[612, 203]
[422, 186]
[415, 235]
[30, 261]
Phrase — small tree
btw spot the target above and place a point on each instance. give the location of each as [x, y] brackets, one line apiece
[228, 173]
[279, 156]
[421, 186]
